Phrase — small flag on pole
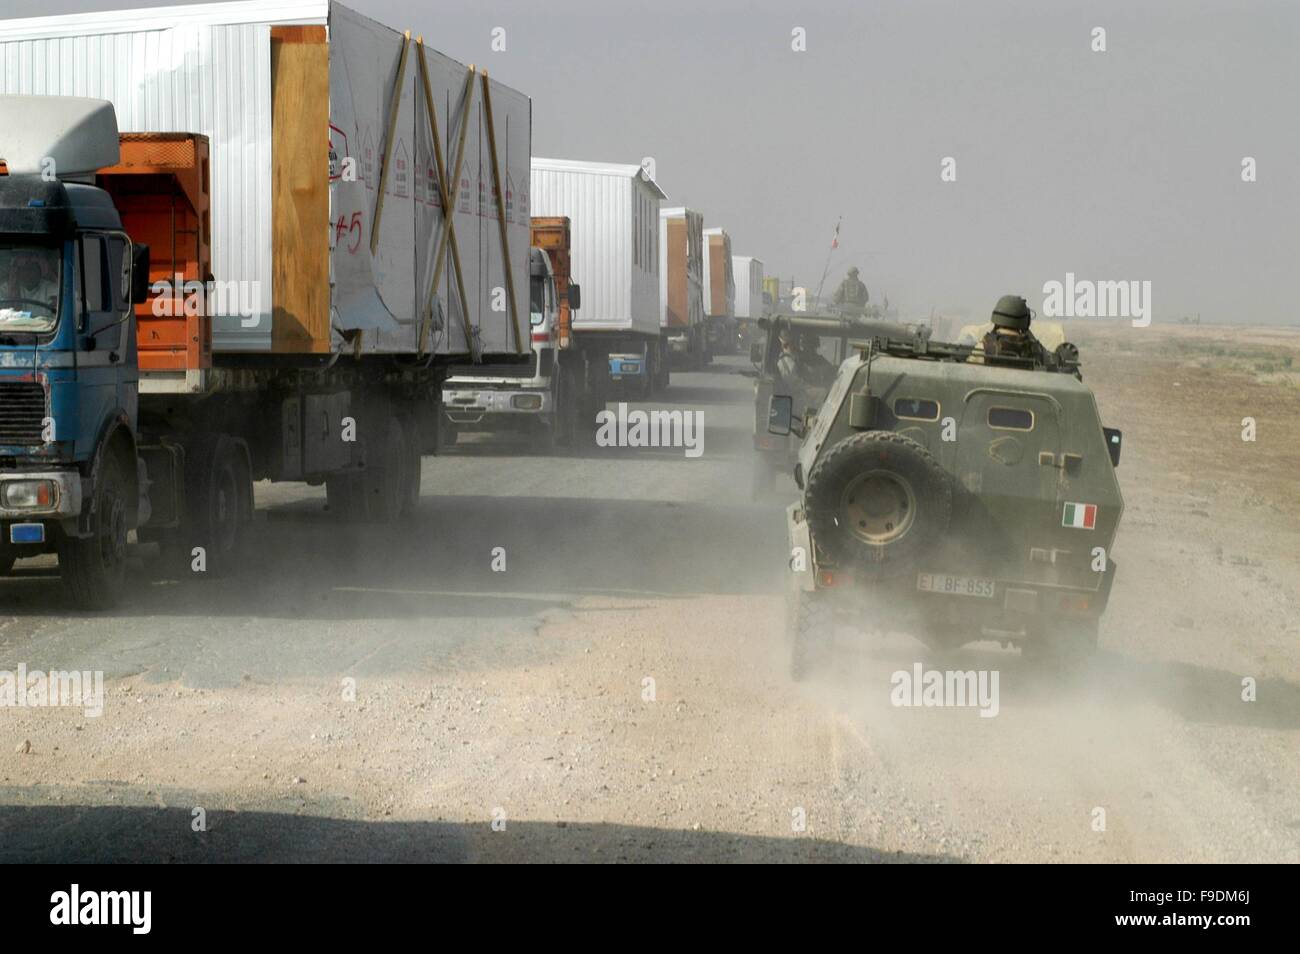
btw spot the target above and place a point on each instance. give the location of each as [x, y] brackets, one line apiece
[835, 239]
[1080, 516]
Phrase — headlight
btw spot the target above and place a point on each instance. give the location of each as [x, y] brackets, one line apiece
[526, 402]
[29, 494]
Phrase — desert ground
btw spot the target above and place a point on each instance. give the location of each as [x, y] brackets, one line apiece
[619, 691]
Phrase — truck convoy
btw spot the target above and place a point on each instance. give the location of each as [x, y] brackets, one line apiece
[719, 293]
[681, 284]
[316, 267]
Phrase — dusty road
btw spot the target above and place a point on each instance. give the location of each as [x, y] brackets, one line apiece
[619, 690]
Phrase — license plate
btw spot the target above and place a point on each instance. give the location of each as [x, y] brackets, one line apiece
[954, 585]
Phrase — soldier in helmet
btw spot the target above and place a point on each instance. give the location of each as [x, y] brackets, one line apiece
[851, 296]
[1010, 342]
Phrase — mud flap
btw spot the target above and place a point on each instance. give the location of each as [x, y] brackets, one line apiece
[800, 558]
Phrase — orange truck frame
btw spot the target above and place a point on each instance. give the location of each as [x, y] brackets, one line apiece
[161, 188]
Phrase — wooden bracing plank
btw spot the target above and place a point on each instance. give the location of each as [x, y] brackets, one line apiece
[501, 214]
[447, 197]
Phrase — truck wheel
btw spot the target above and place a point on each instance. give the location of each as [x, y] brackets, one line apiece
[879, 501]
[218, 505]
[386, 479]
[94, 567]
[345, 497]
[447, 435]
[414, 466]
[7, 561]
[810, 630]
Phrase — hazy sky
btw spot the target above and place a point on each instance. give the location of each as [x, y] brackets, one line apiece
[1117, 165]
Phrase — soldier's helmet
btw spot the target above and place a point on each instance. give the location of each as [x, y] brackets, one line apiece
[786, 336]
[1013, 312]
[853, 271]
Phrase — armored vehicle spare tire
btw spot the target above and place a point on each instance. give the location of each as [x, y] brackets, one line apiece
[878, 501]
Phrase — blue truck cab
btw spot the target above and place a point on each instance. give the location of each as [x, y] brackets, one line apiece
[70, 480]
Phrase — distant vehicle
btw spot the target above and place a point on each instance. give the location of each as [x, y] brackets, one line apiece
[613, 211]
[747, 272]
[519, 398]
[961, 501]
[719, 293]
[681, 281]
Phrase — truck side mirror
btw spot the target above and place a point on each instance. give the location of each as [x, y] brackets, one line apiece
[780, 416]
[139, 274]
[1114, 441]
[575, 296]
[756, 353]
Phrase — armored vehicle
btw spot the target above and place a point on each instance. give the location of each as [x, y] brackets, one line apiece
[951, 498]
[820, 343]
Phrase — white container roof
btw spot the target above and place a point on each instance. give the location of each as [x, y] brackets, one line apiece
[621, 169]
[161, 18]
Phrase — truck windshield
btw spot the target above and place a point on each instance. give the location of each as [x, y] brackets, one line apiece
[536, 300]
[29, 287]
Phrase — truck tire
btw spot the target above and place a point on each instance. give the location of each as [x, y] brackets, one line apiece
[345, 497]
[7, 561]
[386, 480]
[218, 505]
[810, 631]
[447, 434]
[878, 501]
[94, 567]
[414, 465]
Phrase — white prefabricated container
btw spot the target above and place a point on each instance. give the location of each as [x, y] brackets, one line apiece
[748, 274]
[613, 212]
[719, 282]
[210, 69]
[681, 268]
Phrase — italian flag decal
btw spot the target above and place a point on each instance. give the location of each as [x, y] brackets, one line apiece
[1080, 516]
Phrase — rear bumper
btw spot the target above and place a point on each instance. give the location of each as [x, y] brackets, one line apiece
[1015, 608]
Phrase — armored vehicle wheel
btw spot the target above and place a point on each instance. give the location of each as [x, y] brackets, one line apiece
[94, 567]
[878, 500]
[810, 630]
